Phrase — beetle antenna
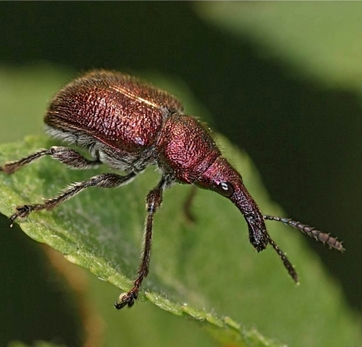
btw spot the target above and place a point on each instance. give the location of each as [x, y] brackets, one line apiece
[287, 264]
[312, 232]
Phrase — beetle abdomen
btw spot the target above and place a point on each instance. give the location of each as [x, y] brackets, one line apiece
[113, 108]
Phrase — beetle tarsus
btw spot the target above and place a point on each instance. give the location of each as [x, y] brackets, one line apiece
[127, 299]
[22, 212]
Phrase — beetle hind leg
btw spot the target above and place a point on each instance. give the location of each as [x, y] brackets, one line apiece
[65, 155]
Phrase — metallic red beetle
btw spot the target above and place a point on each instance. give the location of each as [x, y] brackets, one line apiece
[129, 125]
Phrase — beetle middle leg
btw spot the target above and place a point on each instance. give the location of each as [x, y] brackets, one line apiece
[153, 202]
[105, 180]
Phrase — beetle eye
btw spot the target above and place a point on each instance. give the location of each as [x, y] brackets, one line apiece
[225, 189]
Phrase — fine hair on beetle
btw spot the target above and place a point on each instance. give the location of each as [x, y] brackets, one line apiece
[128, 125]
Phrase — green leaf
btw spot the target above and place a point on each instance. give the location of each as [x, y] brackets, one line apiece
[207, 270]
[315, 39]
[35, 344]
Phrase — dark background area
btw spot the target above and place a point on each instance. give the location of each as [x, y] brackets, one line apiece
[299, 134]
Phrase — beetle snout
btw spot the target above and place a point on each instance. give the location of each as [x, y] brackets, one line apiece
[258, 235]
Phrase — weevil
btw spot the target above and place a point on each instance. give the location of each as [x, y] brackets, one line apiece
[129, 125]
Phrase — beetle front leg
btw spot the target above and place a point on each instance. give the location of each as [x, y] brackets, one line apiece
[188, 203]
[153, 202]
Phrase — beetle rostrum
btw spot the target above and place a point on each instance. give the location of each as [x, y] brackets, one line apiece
[129, 125]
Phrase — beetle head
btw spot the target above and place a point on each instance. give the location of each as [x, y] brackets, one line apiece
[222, 178]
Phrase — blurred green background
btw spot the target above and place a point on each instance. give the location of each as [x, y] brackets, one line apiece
[282, 81]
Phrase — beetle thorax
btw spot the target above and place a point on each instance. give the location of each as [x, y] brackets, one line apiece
[185, 148]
